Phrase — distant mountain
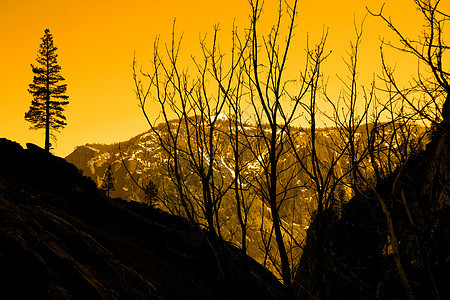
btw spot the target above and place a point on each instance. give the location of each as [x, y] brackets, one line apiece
[145, 160]
[141, 154]
[61, 238]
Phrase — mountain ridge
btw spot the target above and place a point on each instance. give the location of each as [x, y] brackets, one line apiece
[143, 158]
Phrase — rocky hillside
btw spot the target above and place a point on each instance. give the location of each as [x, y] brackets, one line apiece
[61, 238]
[389, 242]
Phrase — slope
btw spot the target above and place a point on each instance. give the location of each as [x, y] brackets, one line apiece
[60, 238]
[390, 242]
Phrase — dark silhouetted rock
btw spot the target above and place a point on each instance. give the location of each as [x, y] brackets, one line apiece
[357, 255]
[61, 238]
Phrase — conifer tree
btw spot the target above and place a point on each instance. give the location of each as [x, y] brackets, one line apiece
[108, 181]
[49, 97]
[151, 192]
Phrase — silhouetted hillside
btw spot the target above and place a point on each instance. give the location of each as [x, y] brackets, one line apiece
[359, 258]
[61, 238]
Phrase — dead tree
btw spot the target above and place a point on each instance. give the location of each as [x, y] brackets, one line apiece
[231, 83]
[191, 139]
[265, 70]
[432, 79]
[426, 101]
[169, 133]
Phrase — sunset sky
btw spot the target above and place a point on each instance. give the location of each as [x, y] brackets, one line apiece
[96, 42]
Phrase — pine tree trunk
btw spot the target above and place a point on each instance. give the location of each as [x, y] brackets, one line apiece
[47, 111]
[47, 124]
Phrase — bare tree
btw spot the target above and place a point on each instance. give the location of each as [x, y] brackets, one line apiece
[319, 159]
[432, 80]
[198, 108]
[231, 82]
[168, 134]
[427, 99]
[267, 86]
[192, 105]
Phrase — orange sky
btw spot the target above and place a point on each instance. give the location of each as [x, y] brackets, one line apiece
[96, 41]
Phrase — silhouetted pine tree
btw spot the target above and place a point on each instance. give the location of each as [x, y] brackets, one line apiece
[151, 192]
[49, 99]
[108, 181]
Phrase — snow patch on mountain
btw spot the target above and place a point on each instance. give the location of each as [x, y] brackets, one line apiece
[219, 117]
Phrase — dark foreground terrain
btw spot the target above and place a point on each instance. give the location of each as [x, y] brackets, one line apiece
[391, 241]
[61, 238]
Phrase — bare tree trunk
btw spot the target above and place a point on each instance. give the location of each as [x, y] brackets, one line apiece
[285, 265]
[394, 244]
